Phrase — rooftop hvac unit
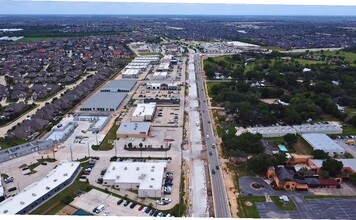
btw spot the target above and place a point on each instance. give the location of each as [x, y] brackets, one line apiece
[48, 188]
[125, 168]
[152, 178]
[117, 177]
[153, 167]
[55, 180]
[34, 194]
[66, 174]
[152, 170]
[22, 203]
[151, 186]
[137, 168]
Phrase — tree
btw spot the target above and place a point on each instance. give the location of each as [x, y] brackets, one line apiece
[332, 166]
[353, 121]
[140, 145]
[291, 139]
[353, 178]
[260, 163]
[324, 174]
[320, 154]
[129, 145]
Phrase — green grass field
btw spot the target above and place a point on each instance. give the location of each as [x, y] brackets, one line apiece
[350, 111]
[37, 39]
[247, 206]
[328, 197]
[349, 56]
[107, 143]
[349, 130]
[290, 206]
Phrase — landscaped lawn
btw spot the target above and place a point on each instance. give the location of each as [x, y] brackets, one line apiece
[290, 206]
[328, 197]
[6, 143]
[60, 200]
[247, 206]
[349, 130]
[110, 137]
[350, 111]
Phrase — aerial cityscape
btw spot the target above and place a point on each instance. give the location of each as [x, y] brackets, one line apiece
[197, 115]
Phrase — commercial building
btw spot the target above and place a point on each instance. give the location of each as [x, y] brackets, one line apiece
[131, 73]
[133, 129]
[39, 192]
[2, 193]
[318, 128]
[146, 177]
[323, 142]
[163, 101]
[159, 75]
[279, 131]
[163, 67]
[162, 86]
[25, 149]
[104, 101]
[118, 86]
[349, 164]
[144, 112]
[272, 131]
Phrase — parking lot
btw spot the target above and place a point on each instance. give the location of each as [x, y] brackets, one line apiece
[172, 166]
[312, 209]
[94, 198]
[350, 148]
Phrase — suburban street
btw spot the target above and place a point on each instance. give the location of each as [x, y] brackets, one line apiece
[221, 205]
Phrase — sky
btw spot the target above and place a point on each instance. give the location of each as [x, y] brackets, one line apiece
[180, 7]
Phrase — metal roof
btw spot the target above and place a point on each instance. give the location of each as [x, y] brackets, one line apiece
[36, 190]
[134, 127]
[322, 142]
[108, 100]
[119, 85]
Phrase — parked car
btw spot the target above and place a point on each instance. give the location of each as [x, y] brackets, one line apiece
[151, 212]
[148, 210]
[119, 202]
[99, 180]
[217, 167]
[126, 203]
[140, 208]
[213, 171]
[103, 172]
[9, 180]
[133, 205]
[155, 213]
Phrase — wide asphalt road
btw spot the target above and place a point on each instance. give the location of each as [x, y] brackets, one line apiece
[221, 204]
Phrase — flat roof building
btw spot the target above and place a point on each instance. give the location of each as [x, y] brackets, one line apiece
[121, 85]
[104, 101]
[144, 112]
[318, 128]
[146, 177]
[272, 131]
[131, 73]
[133, 129]
[349, 164]
[39, 192]
[159, 75]
[163, 67]
[323, 142]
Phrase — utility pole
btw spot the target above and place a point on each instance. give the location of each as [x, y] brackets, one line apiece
[115, 148]
[71, 153]
[88, 149]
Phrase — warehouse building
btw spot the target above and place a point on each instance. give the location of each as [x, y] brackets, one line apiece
[323, 142]
[25, 149]
[272, 131]
[2, 193]
[104, 101]
[131, 73]
[144, 112]
[133, 129]
[118, 86]
[159, 75]
[146, 177]
[163, 67]
[39, 192]
[318, 128]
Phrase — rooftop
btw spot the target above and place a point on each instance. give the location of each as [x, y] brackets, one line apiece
[148, 174]
[144, 109]
[120, 85]
[351, 163]
[322, 142]
[137, 127]
[105, 100]
[38, 189]
[317, 128]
